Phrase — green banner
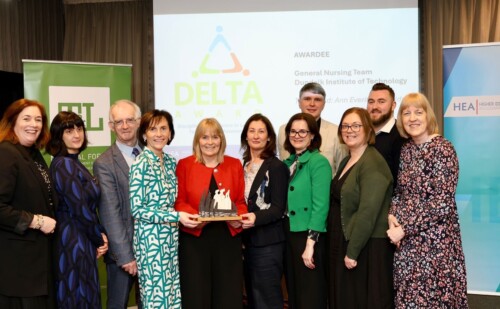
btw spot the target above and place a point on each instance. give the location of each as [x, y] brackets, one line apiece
[87, 89]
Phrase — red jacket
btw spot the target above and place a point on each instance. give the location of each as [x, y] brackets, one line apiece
[194, 179]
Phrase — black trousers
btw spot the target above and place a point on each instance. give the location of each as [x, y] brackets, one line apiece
[307, 288]
[38, 302]
[211, 268]
[263, 272]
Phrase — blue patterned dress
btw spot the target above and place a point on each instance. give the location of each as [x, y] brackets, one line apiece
[78, 234]
[153, 190]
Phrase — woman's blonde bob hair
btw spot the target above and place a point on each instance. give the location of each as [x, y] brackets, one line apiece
[210, 126]
[417, 100]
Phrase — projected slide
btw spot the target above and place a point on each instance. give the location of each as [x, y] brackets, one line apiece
[232, 65]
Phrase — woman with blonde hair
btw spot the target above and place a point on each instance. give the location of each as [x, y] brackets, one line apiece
[210, 259]
[429, 264]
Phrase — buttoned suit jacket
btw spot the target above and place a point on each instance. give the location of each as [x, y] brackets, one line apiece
[330, 147]
[112, 171]
[309, 192]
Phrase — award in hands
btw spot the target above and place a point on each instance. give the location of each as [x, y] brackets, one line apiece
[217, 208]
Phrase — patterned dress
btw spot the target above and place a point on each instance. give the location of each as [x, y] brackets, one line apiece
[153, 190]
[78, 234]
[429, 267]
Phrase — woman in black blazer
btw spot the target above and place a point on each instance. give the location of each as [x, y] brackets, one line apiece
[27, 205]
[266, 181]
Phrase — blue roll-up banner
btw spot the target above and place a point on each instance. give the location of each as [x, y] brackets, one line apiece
[471, 97]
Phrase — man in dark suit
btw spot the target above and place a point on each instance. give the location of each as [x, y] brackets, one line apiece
[112, 171]
[388, 141]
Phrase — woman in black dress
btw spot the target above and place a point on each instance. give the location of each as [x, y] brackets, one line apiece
[360, 254]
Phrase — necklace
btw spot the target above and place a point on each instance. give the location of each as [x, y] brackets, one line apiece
[253, 167]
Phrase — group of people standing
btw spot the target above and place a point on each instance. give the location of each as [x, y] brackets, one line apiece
[354, 216]
[48, 220]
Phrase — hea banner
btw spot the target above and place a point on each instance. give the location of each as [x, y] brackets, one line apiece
[87, 89]
[471, 76]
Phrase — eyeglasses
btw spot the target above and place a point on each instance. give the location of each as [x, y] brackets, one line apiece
[300, 133]
[354, 127]
[128, 121]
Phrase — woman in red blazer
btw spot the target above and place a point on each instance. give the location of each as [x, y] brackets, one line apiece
[210, 261]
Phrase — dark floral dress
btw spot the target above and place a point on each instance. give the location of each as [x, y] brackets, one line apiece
[429, 266]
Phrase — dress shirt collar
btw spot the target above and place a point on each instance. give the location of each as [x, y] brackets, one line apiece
[388, 126]
[127, 152]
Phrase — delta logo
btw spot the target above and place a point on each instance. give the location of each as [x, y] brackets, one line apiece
[220, 79]
[474, 106]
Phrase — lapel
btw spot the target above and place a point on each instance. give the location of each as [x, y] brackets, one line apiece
[343, 164]
[36, 173]
[259, 178]
[120, 160]
[306, 156]
[324, 131]
[31, 162]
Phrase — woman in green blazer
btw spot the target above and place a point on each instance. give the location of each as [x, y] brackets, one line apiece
[308, 202]
[360, 254]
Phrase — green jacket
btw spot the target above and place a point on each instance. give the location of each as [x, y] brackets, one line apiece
[365, 200]
[309, 192]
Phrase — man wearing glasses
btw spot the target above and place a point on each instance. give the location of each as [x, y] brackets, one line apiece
[112, 171]
[312, 98]
[388, 142]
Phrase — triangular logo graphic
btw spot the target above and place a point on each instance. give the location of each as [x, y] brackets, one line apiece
[205, 66]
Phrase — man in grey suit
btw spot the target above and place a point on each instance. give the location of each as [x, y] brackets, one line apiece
[312, 98]
[112, 171]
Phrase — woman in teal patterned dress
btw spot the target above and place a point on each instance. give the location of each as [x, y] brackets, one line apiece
[153, 190]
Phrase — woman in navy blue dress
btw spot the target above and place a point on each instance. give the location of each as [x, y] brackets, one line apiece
[80, 239]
